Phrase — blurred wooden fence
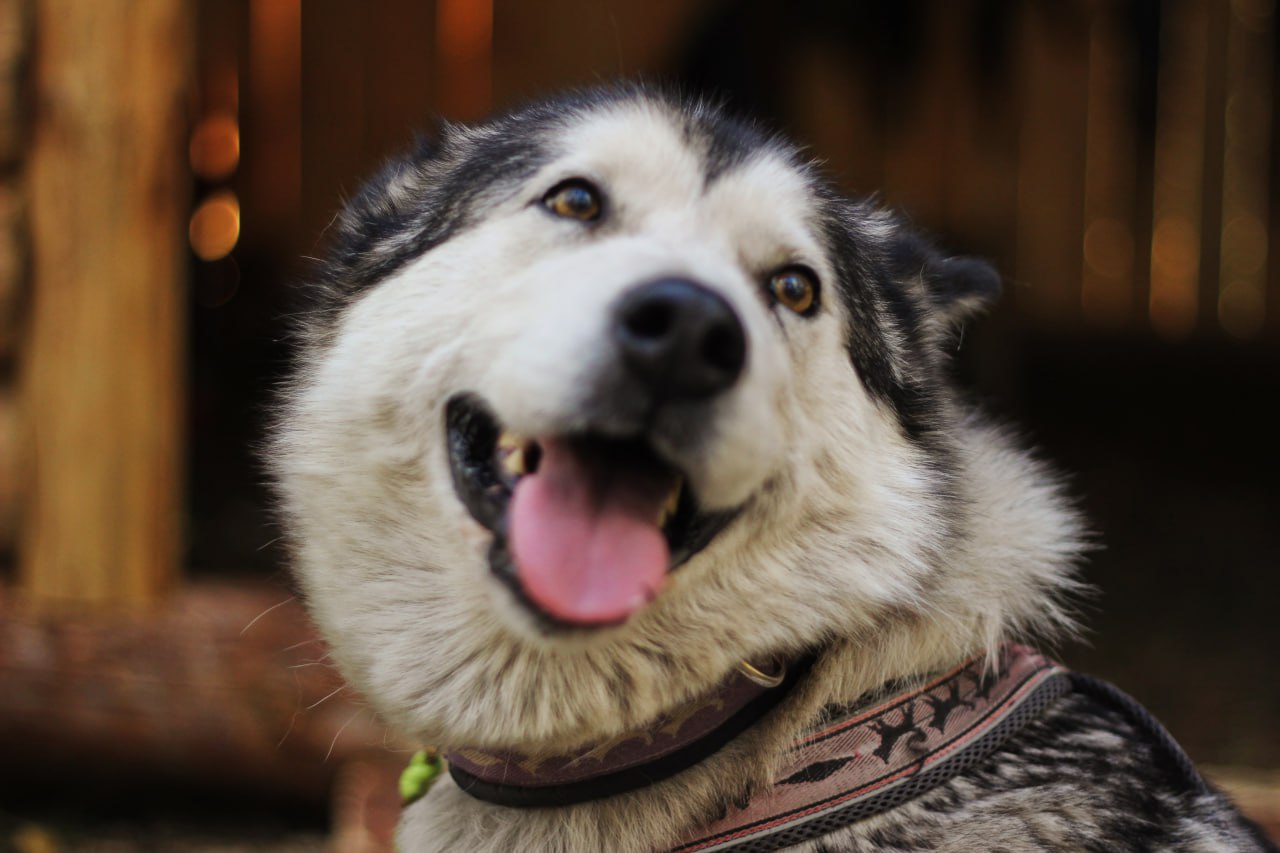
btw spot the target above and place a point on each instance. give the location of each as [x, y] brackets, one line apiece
[1116, 158]
[1113, 207]
[1119, 202]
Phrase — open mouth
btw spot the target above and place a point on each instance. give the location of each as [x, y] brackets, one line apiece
[586, 528]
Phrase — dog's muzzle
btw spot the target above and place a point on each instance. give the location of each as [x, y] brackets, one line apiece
[587, 524]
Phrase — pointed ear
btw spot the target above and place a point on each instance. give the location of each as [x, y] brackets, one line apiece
[957, 288]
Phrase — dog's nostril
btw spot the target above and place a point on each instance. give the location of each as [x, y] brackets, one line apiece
[650, 320]
[723, 348]
[679, 339]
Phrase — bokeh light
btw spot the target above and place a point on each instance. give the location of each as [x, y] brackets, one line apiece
[214, 150]
[215, 226]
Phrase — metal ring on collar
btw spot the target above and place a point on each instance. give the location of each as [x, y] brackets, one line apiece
[764, 679]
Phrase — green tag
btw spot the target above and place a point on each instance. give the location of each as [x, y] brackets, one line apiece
[416, 779]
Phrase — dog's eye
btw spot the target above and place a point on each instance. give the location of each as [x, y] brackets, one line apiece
[574, 199]
[796, 288]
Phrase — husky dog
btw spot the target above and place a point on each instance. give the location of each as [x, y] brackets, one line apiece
[622, 464]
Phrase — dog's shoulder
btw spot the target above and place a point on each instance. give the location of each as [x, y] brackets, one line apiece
[1094, 772]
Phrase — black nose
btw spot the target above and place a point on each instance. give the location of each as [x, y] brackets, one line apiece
[680, 339]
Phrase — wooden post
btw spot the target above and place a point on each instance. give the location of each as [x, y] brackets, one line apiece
[14, 39]
[103, 365]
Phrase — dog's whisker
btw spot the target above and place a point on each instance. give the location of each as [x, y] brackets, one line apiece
[293, 718]
[264, 546]
[326, 698]
[307, 663]
[302, 643]
[333, 743]
[270, 609]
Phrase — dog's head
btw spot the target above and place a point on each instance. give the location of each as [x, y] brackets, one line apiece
[603, 396]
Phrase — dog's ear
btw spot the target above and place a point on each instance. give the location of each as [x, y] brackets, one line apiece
[956, 287]
[394, 190]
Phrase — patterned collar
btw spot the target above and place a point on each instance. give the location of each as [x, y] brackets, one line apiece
[673, 742]
[854, 762]
[858, 762]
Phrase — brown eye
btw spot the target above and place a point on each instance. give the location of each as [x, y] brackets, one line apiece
[574, 199]
[796, 288]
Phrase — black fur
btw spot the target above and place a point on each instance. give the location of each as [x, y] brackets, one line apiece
[1088, 775]
[955, 286]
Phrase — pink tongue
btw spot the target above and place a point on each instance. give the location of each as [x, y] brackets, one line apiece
[584, 536]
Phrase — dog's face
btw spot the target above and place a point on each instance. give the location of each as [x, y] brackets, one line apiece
[601, 398]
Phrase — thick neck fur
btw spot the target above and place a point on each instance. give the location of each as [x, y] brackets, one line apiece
[1005, 578]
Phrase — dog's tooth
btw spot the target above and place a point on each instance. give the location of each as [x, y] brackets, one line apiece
[512, 460]
[669, 506]
[510, 453]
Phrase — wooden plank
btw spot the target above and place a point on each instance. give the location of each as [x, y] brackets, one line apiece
[333, 112]
[1053, 71]
[272, 125]
[833, 111]
[366, 90]
[225, 685]
[15, 34]
[551, 44]
[1178, 194]
[9, 471]
[102, 385]
[923, 128]
[1241, 300]
[14, 38]
[399, 57]
[13, 268]
[464, 57]
[1213, 152]
[1110, 183]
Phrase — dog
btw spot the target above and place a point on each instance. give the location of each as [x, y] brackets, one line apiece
[622, 463]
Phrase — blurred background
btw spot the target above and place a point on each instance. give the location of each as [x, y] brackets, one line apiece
[167, 166]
